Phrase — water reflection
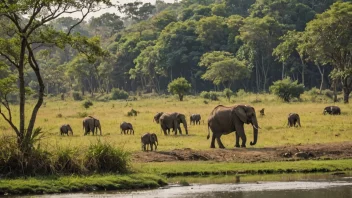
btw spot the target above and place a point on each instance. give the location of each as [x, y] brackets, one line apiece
[320, 186]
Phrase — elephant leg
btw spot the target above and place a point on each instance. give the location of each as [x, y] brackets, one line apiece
[151, 146]
[219, 141]
[241, 134]
[212, 144]
[237, 140]
[179, 128]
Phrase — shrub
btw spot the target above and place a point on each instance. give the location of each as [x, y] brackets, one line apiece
[102, 157]
[87, 103]
[76, 96]
[286, 89]
[66, 160]
[211, 95]
[59, 115]
[328, 93]
[228, 93]
[179, 86]
[82, 114]
[117, 93]
[241, 92]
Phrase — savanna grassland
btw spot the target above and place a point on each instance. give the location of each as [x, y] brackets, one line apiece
[274, 138]
[316, 127]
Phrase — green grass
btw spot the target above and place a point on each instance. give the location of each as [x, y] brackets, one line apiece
[45, 185]
[172, 169]
[316, 128]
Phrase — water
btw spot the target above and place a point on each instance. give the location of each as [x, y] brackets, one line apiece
[336, 187]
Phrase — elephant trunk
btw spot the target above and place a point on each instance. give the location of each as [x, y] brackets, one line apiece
[185, 125]
[255, 131]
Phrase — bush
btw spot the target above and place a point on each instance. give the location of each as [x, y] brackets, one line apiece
[117, 93]
[99, 158]
[76, 96]
[241, 92]
[286, 89]
[102, 157]
[228, 93]
[82, 114]
[179, 86]
[87, 103]
[211, 95]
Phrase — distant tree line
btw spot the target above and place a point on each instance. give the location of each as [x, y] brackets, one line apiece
[235, 44]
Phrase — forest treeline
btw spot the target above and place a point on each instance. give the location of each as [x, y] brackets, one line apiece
[214, 44]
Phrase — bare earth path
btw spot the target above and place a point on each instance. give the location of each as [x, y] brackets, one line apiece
[340, 150]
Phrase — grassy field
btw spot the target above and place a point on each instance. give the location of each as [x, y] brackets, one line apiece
[316, 127]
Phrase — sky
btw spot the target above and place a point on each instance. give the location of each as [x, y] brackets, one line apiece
[113, 9]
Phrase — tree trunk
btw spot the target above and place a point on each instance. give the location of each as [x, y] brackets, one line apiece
[322, 78]
[347, 84]
[335, 92]
[180, 97]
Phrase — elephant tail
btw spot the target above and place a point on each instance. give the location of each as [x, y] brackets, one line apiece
[208, 136]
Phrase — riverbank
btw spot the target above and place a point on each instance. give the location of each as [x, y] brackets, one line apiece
[154, 175]
[65, 184]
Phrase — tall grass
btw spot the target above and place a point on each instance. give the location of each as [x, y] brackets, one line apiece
[99, 157]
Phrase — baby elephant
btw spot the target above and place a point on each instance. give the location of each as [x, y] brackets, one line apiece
[332, 110]
[149, 139]
[293, 118]
[195, 119]
[126, 127]
[64, 129]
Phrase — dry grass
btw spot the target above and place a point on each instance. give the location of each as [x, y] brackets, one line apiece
[316, 128]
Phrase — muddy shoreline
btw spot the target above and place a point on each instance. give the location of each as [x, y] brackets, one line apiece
[326, 151]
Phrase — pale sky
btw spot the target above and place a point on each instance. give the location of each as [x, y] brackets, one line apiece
[114, 10]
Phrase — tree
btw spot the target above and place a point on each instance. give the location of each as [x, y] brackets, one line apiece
[223, 68]
[107, 24]
[286, 89]
[327, 40]
[179, 86]
[28, 31]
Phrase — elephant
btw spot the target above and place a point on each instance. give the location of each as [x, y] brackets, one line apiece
[149, 139]
[172, 121]
[126, 127]
[195, 119]
[157, 117]
[293, 119]
[90, 124]
[224, 120]
[64, 129]
[332, 110]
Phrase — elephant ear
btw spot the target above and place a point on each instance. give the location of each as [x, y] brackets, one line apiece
[181, 117]
[241, 113]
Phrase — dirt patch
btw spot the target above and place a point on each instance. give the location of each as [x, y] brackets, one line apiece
[341, 150]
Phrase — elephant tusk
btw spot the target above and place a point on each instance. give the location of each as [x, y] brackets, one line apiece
[256, 127]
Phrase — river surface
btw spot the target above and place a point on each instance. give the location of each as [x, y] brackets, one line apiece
[330, 187]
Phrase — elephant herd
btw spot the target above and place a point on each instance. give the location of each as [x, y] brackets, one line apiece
[293, 118]
[221, 121]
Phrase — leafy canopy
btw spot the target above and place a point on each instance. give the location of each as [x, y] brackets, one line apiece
[179, 86]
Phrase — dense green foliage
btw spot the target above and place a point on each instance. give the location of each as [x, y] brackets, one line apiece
[117, 93]
[238, 44]
[286, 89]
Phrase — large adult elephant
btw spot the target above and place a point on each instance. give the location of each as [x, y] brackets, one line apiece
[332, 110]
[224, 120]
[91, 124]
[172, 121]
[157, 117]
